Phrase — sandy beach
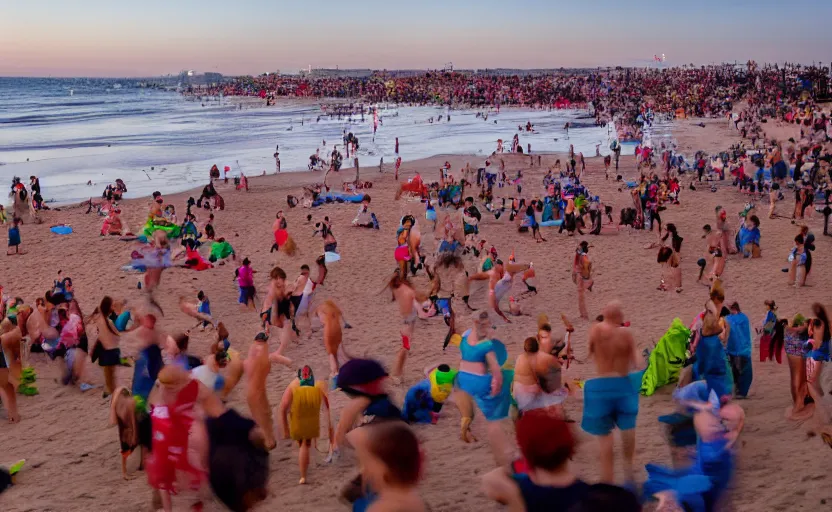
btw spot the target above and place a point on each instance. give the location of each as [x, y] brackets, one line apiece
[72, 454]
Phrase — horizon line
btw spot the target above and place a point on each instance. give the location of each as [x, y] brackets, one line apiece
[646, 64]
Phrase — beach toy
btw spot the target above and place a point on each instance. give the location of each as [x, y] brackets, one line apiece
[61, 229]
[331, 257]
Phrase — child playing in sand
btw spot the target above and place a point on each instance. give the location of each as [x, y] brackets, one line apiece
[245, 280]
[14, 238]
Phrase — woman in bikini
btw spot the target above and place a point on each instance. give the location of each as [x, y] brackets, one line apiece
[106, 349]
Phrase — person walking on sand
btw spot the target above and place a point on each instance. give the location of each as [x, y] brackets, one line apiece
[300, 415]
[500, 278]
[331, 317]
[410, 308]
[611, 399]
[14, 238]
[106, 349]
[245, 280]
[582, 276]
[258, 364]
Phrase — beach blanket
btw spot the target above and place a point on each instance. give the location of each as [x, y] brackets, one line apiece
[666, 359]
[150, 228]
[337, 198]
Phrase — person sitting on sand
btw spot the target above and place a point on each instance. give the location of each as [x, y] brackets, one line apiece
[221, 251]
[547, 444]
[749, 237]
[300, 413]
[365, 218]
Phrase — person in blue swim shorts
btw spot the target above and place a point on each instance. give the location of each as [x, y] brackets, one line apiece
[611, 399]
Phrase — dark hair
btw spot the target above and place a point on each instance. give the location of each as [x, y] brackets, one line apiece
[304, 267]
[396, 446]
[246, 261]
[277, 273]
[736, 307]
[200, 295]
[664, 254]
[531, 345]
[182, 342]
[604, 497]
[799, 240]
[756, 220]
[820, 313]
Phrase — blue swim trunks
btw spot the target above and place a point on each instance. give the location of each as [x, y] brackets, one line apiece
[611, 402]
[444, 306]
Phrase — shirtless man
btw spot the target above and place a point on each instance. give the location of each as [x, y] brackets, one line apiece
[582, 276]
[409, 302]
[331, 317]
[611, 399]
[258, 364]
[499, 282]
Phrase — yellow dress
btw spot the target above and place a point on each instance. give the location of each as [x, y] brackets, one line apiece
[305, 413]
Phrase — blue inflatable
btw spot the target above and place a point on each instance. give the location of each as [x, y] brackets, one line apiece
[337, 198]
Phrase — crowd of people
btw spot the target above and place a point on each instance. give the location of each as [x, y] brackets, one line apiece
[174, 411]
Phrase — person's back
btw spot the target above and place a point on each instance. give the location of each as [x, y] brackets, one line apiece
[739, 337]
[613, 347]
[550, 498]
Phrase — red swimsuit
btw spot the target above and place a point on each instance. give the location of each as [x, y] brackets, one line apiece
[171, 425]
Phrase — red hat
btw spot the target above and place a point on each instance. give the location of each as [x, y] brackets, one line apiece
[545, 441]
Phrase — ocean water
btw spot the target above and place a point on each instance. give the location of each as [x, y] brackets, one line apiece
[69, 132]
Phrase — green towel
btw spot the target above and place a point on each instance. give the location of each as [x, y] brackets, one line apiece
[221, 250]
[667, 359]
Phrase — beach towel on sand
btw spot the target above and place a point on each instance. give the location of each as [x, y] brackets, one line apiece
[667, 358]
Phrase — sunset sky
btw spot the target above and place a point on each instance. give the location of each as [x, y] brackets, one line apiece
[155, 37]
